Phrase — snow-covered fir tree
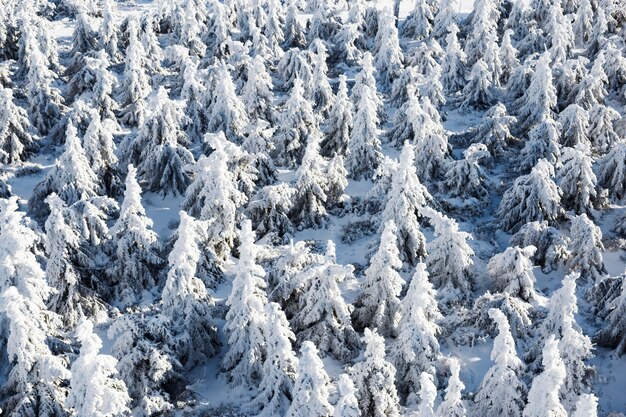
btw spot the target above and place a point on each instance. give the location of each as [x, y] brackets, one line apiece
[416, 349]
[612, 171]
[532, 197]
[136, 85]
[453, 66]
[347, 405]
[543, 143]
[404, 201]
[543, 396]
[364, 147]
[374, 379]
[269, 211]
[477, 93]
[389, 55]
[502, 391]
[427, 395]
[311, 388]
[95, 389]
[574, 121]
[378, 306]
[71, 177]
[279, 368]
[297, 123]
[577, 180]
[449, 258]
[246, 320]
[186, 302]
[109, 31]
[466, 180]
[452, 404]
[227, 111]
[419, 23]
[512, 272]
[257, 94]
[587, 405]
[340, 123]
[539, 100]
[586, 248]
[602, 120]
[99, 147]
[322, 93]
[135, 260]
[17, 140]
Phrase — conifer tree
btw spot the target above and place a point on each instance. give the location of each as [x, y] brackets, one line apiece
[214, 196]
[16, 136]
[311, 388]
[532, 197]
[465, 178]
[340, 124]
[601, 127]
[100, 148]
[427, 395]
[508, 56]
[246, 320]
[193, 94]
[186, 302]
[586, 248]
[477, 92]
[136, 85]
[71, 178]
[577, 180]
[257, 95]
[364, 149]
[321, 93]
[227, 112]
[347, 405]
[378, 304]
[452, 404]
[95, 389]
[612, 171]
[365, 80]
[297, 123]
[445, 20]
[543, 396]
[405, 199]
[512, 272]
[453, 67]
[416, 349]
[109, 36]
[418, 24]
[539, 101]
[268, 209]
[450, 258]
[586, 406]
[494, 130]
[574, 121]
[543, 143]
[322, 315]
[389, 55]
[502, 391]
[44, 101]
[135, 247]
[591, 91]
[159, 149]
[310, 198]
[294, 33]
[279, 367]
[583, 23]
[374, 379]
[84, 40]
[36, 378]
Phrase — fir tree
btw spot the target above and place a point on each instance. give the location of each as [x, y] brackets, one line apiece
[257, 94]
[321, 93]
[477, 92]
[186, 302]
[95, 389]
[583, 23]
[612, 172]
[543, 396]
[322, 315]
[494, 130]
[279, 367]
[136, 85]
[71, 178]
[427, 395]
[453, 67]
[452, 404]
[543, 143]
[591, 91]
[405, 199]
[99, 146]
[268, 209]
[574, 121]
[466, 180]
[445, 20]
[246, 320]
[227, 111]
[16, 138]
[297, 123]
[347, 405]
[539, 101]
[135, 247]
[378, 304]
[311, 388]
[601, 127]
[109, 36]
[374, 379]
[416, 348]
[586, 248]
[502, 391]
[512, 272]
[577, 180]
[389, 57]
[418, 24]
[340, 124]
[586, 406]
[450, 258]
[364, 151]
[532, 197]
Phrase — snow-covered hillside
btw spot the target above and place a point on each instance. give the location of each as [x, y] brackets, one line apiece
[312, 208]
